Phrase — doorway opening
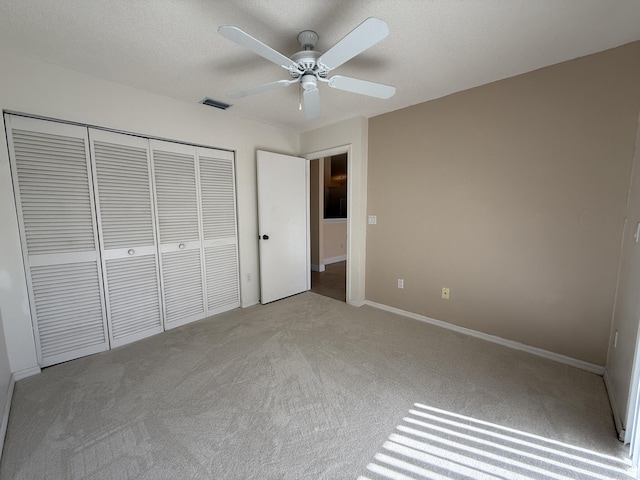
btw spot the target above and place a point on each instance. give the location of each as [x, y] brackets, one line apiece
[329, 225]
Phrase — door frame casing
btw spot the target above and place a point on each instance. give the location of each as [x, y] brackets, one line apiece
[329, 152]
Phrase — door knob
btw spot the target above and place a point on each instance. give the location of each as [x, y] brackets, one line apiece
[265, 237]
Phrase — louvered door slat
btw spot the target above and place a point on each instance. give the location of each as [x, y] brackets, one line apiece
[54, 195]
[126, 222]
[183, 286]
[177, 198]
[124, 195]
[45, 195]
[222, 278]
[134, 306]
[218, 198]
[69, 309]
[217, 187]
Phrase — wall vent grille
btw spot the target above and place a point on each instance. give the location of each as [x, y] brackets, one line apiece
[215, 103]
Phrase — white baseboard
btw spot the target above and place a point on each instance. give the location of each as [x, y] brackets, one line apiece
[5, 413]
[317, 268]
[614, 408]
[330, 260]
[27, 372]
[574, 362]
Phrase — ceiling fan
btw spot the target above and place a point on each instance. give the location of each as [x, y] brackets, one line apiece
[308, 67]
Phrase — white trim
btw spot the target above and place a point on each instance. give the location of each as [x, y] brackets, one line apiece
[633, 403]
[317, 268]
[114, 130]
[330, 152]
[307, 195]
[574, 362]
[614, 407]
[5, 414]
[340, 258]
[27, 372]
[334, 220]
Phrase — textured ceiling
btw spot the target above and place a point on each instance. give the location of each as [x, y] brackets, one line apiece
[435, 47]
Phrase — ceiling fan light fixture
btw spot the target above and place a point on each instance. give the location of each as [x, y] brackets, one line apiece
[309, 82]
[308, 39]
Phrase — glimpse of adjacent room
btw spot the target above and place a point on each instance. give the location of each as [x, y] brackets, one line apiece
[328, 219]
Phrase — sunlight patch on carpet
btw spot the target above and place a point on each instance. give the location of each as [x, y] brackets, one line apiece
[434, 444]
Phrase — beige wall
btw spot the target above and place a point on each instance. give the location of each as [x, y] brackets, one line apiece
[512, 195]
[38, 88]
[335, 238]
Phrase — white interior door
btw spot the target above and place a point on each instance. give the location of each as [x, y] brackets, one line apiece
[283, 222]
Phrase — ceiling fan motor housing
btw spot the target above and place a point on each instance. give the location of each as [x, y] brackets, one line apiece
[307, 62]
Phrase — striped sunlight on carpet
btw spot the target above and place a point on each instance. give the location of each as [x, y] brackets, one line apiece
[435, 444]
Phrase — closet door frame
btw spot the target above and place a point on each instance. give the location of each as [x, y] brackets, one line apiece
[55, 128]
[99, 256]
[122, 253]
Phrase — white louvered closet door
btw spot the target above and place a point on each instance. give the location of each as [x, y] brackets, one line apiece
[220, 239]
[126, 226]
[180, 232]
[54, 195]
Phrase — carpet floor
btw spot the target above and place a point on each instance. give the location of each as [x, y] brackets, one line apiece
[311, 388]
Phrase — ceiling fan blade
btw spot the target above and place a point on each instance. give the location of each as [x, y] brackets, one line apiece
[362, 87]
[262, 88]
[312, 103]
[256, 46]
[365, 35]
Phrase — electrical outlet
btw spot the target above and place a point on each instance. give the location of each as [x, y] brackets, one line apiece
[373, 220]
[401, 283]
[248, 277]
[445, 293]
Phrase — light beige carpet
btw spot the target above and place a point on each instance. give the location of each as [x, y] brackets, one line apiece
[308, 388]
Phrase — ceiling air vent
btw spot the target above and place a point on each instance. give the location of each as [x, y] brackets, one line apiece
[215, 103]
